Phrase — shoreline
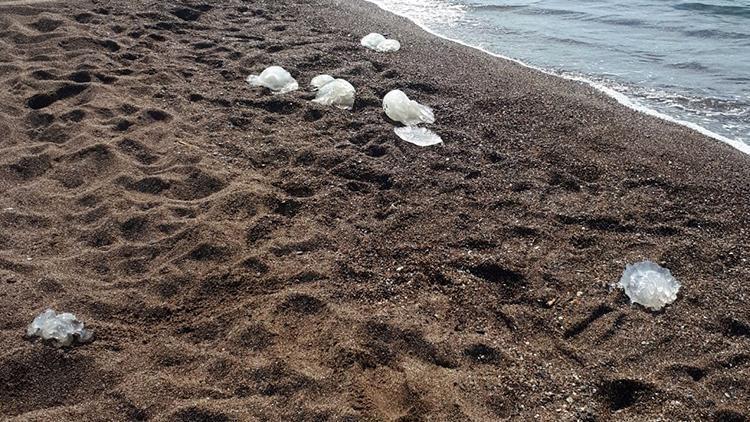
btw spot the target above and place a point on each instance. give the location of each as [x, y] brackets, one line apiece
[244, 255]
[618, 96]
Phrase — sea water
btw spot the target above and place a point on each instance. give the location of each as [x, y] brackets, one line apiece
[689, 61]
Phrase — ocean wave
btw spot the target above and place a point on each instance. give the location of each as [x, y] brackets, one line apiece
[622, 21]
[690, 66]
[552, 12]
[715, 33]
[496, 7]
[426, 12]
[742, 11]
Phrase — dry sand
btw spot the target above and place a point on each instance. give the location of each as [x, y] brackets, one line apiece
[246, 256]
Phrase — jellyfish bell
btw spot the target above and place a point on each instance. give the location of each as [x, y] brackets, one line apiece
[398, 107]
[649, 284]
[275, 78]
[63, 329]
[320, 80]
[388, 46]
[338, 93]
[378, 42]
[372, 40]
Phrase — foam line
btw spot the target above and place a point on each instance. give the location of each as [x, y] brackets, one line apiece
[617, 96]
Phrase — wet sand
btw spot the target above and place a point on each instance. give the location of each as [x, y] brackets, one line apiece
[248, 256]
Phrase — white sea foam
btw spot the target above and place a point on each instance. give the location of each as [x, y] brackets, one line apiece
[426, 13]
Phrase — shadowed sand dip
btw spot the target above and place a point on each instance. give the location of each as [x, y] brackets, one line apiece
[244, 255]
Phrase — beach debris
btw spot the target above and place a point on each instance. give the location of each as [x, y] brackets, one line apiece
[338, 93]
[398, 107]
[649, 284]
[62, 329]
[275, 78]
[418, 135]
[378, 42]
[320, 80]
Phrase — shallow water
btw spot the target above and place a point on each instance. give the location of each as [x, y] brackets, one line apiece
[688, 60]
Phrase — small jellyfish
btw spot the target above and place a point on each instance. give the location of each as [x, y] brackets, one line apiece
[338, 93]
[320, 80]
[377, 42]
[63, 329]
[649, 284]
[400, 108]
[275, 78]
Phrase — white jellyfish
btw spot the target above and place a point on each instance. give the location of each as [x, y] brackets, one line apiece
[372, 40]
[338, 93]
[64, 328]
[378, 42]
[388, 46]
[400, 108]
[649, 284]
[275, 78]
[320, 80]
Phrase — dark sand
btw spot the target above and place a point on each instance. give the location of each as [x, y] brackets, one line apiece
[245, 256]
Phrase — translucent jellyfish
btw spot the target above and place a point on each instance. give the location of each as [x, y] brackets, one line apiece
[388, 46]
[338, 93]
[64, 329]
[418, 136]
[377, 42]
[372, 40]
[320, 80]
[400, 108]
[649, 284]
[275, 78]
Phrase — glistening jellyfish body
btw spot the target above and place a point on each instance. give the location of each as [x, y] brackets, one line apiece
[320, 80]
[372, 40]
[388, 46]
[400, 108]
[378, 42]
[64, 328]
[338, 93]
[649, 284]
[275, 78]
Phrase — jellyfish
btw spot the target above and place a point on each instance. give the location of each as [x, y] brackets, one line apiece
[388, 46]
[649, 284]
[275, 78]
[378, 42]
[320, 80]
[63, 329]
[338, 93]
[398, 107]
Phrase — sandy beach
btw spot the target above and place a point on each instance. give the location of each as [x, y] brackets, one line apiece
[246, 256]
